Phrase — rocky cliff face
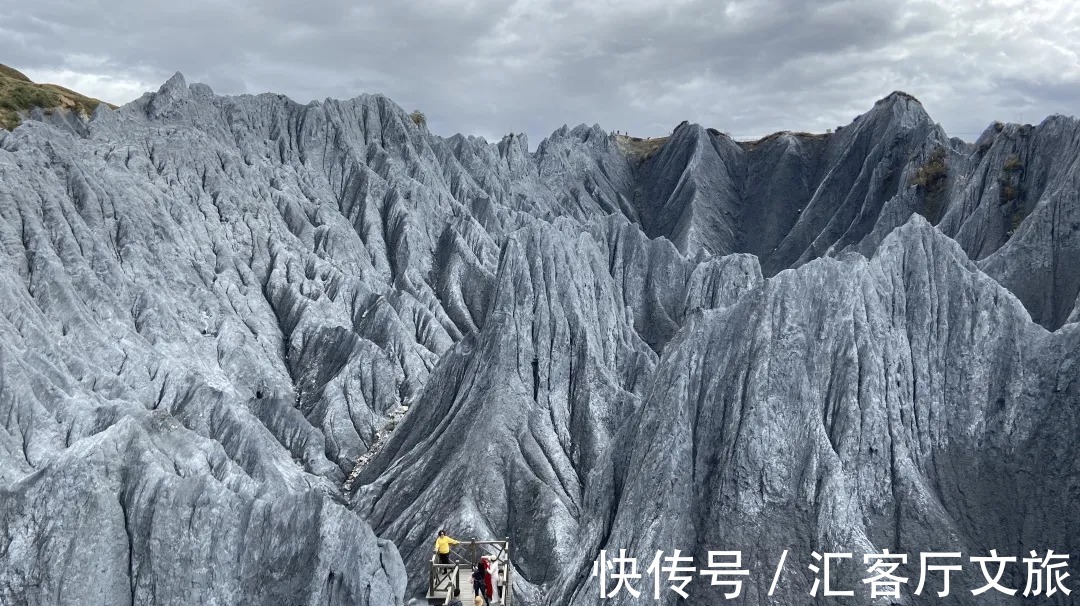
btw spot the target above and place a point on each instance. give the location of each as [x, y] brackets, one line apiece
[214, 305]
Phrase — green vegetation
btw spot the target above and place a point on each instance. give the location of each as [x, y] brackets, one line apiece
[1011, 193]
[931, 180]
[1009, 181]
[18, 94]
[418, 118]
[933, 171]
[901, 95]
[1015, 219]
[11, 72]
[640, 149]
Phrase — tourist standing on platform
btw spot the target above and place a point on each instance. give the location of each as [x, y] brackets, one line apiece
[493, 581]
[479, 577]
[488, 578]
[442, 547]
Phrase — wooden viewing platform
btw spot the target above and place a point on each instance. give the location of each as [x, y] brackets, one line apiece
[444, 578]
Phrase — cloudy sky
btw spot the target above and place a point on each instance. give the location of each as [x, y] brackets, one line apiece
[489, 67]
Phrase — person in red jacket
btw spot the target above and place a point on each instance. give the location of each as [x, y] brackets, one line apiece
[489, 581]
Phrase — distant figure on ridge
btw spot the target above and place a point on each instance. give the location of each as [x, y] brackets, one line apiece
[442, 547]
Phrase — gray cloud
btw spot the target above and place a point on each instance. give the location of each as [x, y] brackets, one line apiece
[489, 67]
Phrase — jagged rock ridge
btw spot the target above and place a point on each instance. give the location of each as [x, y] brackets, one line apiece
[213, 306]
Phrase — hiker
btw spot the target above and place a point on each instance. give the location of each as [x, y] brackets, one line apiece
[442, 547]
[455, 600]
[478, 580]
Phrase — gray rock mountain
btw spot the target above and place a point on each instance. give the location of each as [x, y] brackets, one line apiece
[213, 306]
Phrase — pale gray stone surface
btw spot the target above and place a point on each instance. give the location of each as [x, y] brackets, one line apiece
[213, 304]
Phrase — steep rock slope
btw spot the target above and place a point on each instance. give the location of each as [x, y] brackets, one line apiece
[252, 279]
[788, 198]
[213, 304]
[793, 197]
[819, 413]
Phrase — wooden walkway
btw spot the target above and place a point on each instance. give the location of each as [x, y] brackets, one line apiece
[444, 578]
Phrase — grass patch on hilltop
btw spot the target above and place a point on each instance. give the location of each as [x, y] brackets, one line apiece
[638, 148]
[18, 95]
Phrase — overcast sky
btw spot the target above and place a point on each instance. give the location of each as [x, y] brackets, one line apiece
[489, 67]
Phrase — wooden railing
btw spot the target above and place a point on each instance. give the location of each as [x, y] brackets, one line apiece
[443, 578]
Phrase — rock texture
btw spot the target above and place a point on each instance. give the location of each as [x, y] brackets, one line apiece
[214, 307]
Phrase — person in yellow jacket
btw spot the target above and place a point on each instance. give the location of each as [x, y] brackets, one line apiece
[442, 547]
